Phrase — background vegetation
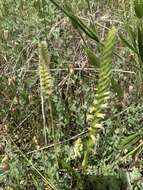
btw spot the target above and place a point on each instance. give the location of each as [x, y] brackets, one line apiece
[43, 135]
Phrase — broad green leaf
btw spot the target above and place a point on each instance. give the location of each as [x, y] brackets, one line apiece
[138, 5]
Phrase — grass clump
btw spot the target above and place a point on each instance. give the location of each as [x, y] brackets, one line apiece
[86, 130]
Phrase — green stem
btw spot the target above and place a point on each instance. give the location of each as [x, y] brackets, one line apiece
[55, 140]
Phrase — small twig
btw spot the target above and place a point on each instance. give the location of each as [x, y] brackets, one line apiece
[76, 69]
[61, 142]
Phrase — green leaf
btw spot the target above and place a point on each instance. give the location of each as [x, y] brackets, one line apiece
[92, 58]
[132, 34]
[77, 23]
[129, 141]
[88, 31]
[138, 6]
[128, 44]
[136, 150]
[140, 42]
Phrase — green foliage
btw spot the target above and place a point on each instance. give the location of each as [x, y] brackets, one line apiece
[92, 58]
[128, 44]
[77, 23]
[140, 42]
[138, 8]
[133, 143]
[134, 42]
[31, 157]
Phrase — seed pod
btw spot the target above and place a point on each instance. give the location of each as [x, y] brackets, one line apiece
[138, 5]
